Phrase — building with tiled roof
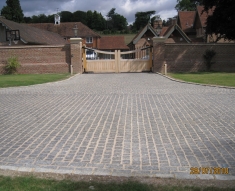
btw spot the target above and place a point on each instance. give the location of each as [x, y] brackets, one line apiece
[90, 38]
[186, 22]
[193, 23]
[113, 43]
[173, 33]
[26, 35]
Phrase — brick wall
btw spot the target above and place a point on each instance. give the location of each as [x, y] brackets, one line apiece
[38, 59]
[189, 57]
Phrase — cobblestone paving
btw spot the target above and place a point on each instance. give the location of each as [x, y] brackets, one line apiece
[117, 124]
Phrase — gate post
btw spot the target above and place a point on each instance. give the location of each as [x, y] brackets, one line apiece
[117, 62]
[76, 54]
[158, 54]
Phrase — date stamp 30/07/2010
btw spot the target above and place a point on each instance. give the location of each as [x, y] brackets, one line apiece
[209, 170]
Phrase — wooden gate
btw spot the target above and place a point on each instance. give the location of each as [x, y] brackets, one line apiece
[118, 62]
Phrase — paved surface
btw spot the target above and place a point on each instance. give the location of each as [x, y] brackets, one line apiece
[118, 124]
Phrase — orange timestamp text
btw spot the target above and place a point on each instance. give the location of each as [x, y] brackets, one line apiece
[209, 170]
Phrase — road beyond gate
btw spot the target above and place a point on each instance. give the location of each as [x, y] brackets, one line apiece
[128, 124]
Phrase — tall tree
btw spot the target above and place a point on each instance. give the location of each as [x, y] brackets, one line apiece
[13, 11]
[98, 21]
[116, 21]
[66, 16]
[89, 18]
[187, 5]
[222, 22]
[80, 16]
[142, 19]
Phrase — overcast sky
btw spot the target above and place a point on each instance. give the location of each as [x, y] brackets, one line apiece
[127, 8]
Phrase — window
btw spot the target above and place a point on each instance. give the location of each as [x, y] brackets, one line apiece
[89, 40]
[12, 35]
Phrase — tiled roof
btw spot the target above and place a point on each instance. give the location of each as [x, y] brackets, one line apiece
[66, 29]
[186, 19]
[203, 14]
[164, 31]
[142, 32]
[31, 35]
[112, 43]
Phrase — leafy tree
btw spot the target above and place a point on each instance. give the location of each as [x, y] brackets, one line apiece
[187, 5]
[89, 18]
[35, 19]
[43, 18]
[27, 19]
[98, 21]
[116, 21]
[13, 11]
[66, 16]
[222, 22]
[51, 18]
[80, 16]
[142, 18]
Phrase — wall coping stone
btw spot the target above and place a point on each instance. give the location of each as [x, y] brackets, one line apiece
[204, 44]
[31, 47]
[75, 40]
[159, 39]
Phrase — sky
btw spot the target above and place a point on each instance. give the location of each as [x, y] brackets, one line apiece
[127, 8]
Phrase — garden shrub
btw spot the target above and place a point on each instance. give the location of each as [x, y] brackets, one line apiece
[208, 56]
[12, 65]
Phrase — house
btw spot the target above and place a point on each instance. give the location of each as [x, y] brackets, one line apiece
[90, 38]
[66, 30]
[173, 34]
[12, 33]
[193, 23]
[185, 21]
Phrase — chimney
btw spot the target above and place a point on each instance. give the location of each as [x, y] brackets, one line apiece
[173, 21]
[157, 22]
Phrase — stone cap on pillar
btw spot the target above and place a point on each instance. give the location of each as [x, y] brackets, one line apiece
[159, 39]
[75, 40]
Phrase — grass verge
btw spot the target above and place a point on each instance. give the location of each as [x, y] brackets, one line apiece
[29, 79]
[35, 184]
[213, 78]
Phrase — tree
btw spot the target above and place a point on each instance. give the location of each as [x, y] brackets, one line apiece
[222, 22]
[116, 21]
[98, 21]
[187, 5]
[142, 18]
[80, 16]
[66, 16]
[13, 11]
[89, 18]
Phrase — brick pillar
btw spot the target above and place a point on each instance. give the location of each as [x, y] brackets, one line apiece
[158, 54]
[76, 55]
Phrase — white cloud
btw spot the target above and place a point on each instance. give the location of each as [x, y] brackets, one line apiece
[127, 8]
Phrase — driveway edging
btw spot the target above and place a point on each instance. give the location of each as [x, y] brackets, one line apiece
[181, 81]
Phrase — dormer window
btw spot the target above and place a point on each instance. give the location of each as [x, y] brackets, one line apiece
[89, 40]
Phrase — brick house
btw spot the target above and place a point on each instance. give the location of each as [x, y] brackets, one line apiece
[65, 30]
[21, 34]
[193, 23]
[91, 39]
[173, 34]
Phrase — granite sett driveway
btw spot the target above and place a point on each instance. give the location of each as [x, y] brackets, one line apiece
[128, 124]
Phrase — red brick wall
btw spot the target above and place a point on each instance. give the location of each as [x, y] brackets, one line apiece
[38, 59]
[189, 57]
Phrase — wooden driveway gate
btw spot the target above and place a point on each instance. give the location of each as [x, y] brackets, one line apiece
[118, 64]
